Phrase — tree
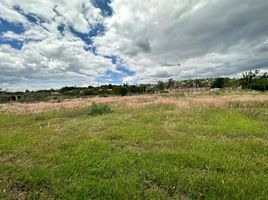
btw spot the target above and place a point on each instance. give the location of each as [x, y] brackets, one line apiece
[218, 83]
[161, 85]
[197, 83]
[110, 86]
[260, 82]
[123, 90]
[247, 78]
[265, 75]
[170, 83]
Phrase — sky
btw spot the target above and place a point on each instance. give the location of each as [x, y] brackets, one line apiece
[55, 43]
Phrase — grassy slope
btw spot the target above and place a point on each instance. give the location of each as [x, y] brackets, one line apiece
[159, 152]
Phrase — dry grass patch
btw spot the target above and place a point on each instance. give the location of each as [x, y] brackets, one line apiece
[136, 102]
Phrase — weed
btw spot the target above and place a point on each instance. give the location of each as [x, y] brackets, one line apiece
[99, 109]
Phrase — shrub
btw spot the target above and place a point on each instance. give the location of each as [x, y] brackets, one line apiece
[99, 109]
[123, 91]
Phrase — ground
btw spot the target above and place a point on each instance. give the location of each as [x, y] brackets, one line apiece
[200, 146]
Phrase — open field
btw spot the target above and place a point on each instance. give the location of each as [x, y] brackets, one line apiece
[202, 146]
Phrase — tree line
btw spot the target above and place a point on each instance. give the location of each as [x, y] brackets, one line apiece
[253, 80]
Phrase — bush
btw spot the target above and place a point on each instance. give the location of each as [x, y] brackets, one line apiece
[218, 83]
[123, 91]
[99, 109]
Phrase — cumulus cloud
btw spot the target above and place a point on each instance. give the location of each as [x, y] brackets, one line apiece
[186, 39]
[50, 55]
[60, 42]
[80, 14]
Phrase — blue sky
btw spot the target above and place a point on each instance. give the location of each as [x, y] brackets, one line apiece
[47, 43]
[115, 75]
[16, 28]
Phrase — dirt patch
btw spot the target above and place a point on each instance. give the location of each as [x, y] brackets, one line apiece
[16, 160]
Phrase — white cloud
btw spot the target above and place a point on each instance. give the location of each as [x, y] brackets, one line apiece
[155, 39]
[80, 14]
[207, 38]
[49, 56]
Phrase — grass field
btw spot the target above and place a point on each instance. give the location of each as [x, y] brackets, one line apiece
[149, 147]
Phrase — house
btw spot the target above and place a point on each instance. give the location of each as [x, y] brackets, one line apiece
[188, 90]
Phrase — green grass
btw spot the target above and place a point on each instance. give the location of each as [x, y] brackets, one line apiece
[157, 152]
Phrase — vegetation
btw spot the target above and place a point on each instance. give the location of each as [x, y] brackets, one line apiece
[250, 80]
[99, 109]
[142, 150]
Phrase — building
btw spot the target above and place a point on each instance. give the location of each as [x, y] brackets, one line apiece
[188, 90]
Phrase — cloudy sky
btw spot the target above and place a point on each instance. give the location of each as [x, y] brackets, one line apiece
[55, 43]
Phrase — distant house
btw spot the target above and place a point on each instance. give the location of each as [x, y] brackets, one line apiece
[188, 90]
[55, 93]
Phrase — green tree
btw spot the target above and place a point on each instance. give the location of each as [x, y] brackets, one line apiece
[197, 83]
[123, 90]
[248, 78]
[161, 85]
[218, 83]
[170, 83]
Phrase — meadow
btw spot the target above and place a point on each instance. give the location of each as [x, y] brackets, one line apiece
[171, 146]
